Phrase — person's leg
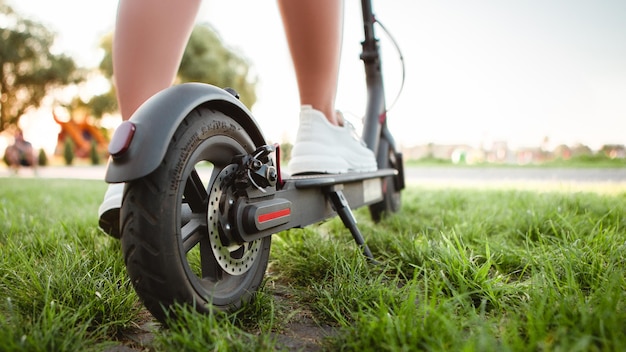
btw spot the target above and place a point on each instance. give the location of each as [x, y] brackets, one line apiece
[148, 44]
[28, 157]
[324, 143]
[12, 157]
[314, 30]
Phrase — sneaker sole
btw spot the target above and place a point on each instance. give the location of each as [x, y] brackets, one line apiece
[109, 222]
[324, 165]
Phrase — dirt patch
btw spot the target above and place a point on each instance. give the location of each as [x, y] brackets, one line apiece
[299, 331]
[139, 337]
[303, 334]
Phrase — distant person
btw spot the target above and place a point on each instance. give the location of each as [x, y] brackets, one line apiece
[20, 153]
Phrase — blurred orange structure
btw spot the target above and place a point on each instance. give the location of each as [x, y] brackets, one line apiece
[82, 134]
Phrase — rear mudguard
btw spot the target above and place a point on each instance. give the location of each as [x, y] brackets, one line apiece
[158, 118]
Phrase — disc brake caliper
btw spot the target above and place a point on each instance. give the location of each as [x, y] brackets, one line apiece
[247, 177]
[256, 169]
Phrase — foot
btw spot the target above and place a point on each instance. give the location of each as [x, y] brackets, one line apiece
[109, 211]
[321, 147]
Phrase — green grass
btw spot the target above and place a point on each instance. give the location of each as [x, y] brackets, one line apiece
[461, 269]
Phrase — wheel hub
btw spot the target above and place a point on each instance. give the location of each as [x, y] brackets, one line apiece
[233, 258]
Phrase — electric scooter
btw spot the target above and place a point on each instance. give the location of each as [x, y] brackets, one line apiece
[206, 241]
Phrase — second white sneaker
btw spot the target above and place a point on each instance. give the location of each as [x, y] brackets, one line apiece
[321, 147]
[109, 210]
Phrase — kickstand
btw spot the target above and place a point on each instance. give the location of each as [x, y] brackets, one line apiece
[342, 208]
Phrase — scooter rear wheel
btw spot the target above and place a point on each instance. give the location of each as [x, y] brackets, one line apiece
[170, 219]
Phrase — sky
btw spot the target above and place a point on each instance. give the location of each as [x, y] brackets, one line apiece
[477, 72]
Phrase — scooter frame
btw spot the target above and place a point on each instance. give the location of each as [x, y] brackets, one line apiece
[255, 202]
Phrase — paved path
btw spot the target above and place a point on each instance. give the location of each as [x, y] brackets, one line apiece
[73, 172]
[414, 175]
[517, 174]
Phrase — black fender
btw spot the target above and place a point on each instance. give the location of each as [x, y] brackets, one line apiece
[158, 118]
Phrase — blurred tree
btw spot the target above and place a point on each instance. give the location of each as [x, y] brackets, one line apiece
[107, 102]
[563, 152]
[28, 70]
[579, 150]
[614, 150]
[42, 158]
[206, 59]
[94, 156]
[68, 151]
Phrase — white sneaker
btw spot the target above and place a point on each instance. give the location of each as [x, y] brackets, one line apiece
[321, 147]
[109, 211]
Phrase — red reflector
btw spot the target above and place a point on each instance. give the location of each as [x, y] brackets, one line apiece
[121, 139]
[277, 161]
[274, 215]
[382, 117]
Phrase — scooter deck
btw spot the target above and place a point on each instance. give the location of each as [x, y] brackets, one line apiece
[343, 191]
[323, 180]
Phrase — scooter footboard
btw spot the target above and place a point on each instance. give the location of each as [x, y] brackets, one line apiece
[305, 200]
[359, 189]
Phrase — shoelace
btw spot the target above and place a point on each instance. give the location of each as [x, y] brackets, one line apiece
[345, 122]
[353, 132]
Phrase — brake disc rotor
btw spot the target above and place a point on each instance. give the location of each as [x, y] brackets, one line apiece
[235, 259]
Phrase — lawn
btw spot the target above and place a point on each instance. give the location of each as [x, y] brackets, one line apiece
[490, 269]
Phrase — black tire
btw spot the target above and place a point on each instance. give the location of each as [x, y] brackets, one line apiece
[392, 200]
[168, 239]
